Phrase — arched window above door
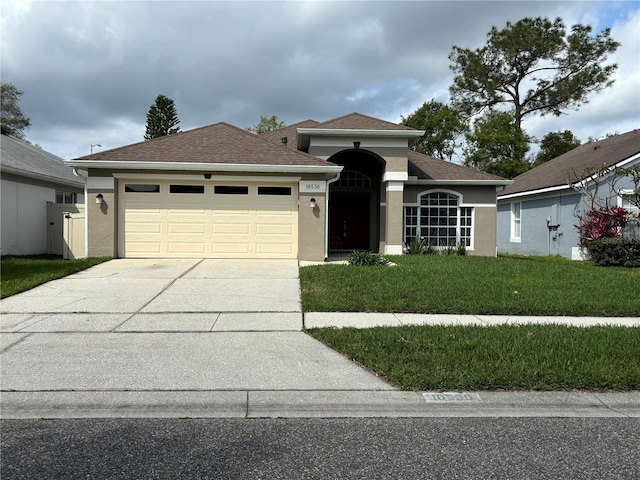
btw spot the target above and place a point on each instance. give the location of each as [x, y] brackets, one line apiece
[353, 178]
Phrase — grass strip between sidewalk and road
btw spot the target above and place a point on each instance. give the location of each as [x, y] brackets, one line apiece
[475, 286]
[505, 357]
[20, 273]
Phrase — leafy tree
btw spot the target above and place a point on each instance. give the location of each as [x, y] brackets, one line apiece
[266, 124]
[442, 124]
[554, 144]
[162, 118]
[532, 66]
[496, 145]
[11, 115]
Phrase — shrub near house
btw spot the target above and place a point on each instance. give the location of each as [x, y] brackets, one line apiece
[600, 235]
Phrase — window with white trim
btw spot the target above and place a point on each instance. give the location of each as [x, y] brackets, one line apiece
[516, 221]
[440, 221]
[630, 201]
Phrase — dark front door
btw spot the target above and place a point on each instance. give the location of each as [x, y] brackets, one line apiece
[349, 220]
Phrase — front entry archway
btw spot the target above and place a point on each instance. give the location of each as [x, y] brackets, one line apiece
[354, 202]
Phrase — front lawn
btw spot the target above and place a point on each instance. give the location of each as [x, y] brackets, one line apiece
[20, 273]
[524, 357]
[474, 285]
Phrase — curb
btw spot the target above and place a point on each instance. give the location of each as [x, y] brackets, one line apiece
[313, 404]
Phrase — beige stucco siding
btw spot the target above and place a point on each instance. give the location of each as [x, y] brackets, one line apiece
[311, 226]
[484, 232]
[471, 195]
[102, 223]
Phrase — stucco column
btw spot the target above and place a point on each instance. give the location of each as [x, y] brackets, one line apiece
[101, 218]
[394, 218]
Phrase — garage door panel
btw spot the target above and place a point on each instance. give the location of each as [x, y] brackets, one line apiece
[210, 225]
[185, 248]
[231, 229]
[147, 228]
[233, 248]
[186, 228]
[144, 247]
[284, 230]
[274, 249]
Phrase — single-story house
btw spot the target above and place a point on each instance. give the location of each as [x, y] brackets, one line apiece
[32, 178]
[537, 213]
[304, 191]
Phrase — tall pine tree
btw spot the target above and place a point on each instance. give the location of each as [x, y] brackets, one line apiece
[162, 118]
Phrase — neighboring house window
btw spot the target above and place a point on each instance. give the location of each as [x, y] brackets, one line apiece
[516, 222]
[629, 200]
[65, 197]
[440, 220]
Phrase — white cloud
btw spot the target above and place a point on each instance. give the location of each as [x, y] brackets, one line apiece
[91, 69]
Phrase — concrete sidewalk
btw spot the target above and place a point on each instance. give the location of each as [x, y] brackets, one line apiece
[215, 338]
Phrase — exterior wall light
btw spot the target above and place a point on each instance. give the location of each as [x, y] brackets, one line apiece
[312, 203]
[99, 199]
[356, 145]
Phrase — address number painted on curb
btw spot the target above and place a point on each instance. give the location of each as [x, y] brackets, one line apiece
[451, 397]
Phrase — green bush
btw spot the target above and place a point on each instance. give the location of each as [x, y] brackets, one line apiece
[363, 258]
[416, 246]
[615, 252]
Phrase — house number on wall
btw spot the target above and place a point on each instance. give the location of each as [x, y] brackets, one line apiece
[313, 187]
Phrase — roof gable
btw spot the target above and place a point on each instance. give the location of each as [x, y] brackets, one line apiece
[560, 170]
[219, 143]
[357, 121]
[23, 158]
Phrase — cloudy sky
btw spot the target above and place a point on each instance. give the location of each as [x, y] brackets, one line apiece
[91, 69]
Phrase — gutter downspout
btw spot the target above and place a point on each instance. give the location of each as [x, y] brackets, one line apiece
[326, 217]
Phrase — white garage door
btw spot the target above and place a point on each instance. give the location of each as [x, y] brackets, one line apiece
[208, 220]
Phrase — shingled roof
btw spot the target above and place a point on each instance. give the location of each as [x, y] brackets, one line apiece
[426, 167]
[22, 158]
[220, 143]
[290, 132]
[559, 171]
[361, 122]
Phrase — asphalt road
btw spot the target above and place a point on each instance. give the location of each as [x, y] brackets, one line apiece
[451, 448]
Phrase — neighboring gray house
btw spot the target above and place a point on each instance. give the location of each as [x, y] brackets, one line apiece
[537, 213]
[31, 177]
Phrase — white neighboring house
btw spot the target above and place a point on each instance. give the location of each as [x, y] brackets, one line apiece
[30, 178]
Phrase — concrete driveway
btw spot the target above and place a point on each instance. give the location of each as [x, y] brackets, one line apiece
[165, 327]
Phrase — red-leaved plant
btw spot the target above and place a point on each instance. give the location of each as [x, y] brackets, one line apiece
[606, 222]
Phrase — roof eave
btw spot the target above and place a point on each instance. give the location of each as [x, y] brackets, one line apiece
[526, 193]
[205, 167]
[46, 178]
[426, 181]
[348, 132]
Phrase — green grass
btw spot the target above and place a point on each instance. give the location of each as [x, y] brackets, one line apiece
[20, 273]
[526, 357]
[474, 285]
